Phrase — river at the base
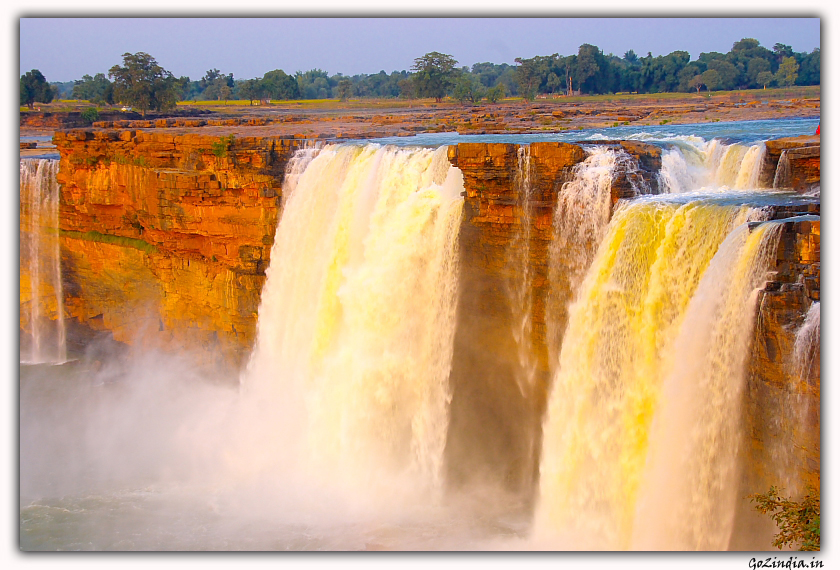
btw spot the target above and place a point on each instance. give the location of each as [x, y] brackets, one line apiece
[146, 454]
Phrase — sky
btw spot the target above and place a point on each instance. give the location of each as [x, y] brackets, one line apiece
[65, 49]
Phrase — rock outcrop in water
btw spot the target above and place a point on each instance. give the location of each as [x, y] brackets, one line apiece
[792, 162]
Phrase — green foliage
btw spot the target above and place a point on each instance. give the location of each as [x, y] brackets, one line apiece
[314, 84]
[278, 85]
[143, 84]
[727, 75]
[434, 75]
[345, 89]
[110, 239]
[468, 88]
[755, 67]
[711, 79]
[496, 93]
[96, 89]
[798, 522]
[528, 76]
[221, 147]
[34, 88]
[90, 114]
[63, 89]
[251, 90]
[219, 89]
[764, 79]
[809, 68]
[787, 73]
[127, 161]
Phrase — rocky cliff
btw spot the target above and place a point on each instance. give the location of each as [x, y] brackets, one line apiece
[783, 391]
[782, 399]
[166, 238]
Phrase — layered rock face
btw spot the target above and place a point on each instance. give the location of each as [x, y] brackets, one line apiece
[783, 397]
[165, 239]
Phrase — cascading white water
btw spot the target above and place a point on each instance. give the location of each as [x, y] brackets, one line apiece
[357, 316]
[40, 255]
[583, 210]
[617, 350]
[695, 165]
[581, 216]
[691, 480]
[781, 178]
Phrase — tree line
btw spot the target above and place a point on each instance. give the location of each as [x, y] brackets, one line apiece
[142, 83]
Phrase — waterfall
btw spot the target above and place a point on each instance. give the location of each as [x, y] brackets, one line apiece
[660, 276]
[781, 178]
[356, 322]
[41, 264]
[690, 166]
[519, 268]
[688, 500]
[584, 205]
[806, 346]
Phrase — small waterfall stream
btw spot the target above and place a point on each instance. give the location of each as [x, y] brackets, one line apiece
[43, 314]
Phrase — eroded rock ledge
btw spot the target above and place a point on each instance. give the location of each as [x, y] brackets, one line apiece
[165, 239]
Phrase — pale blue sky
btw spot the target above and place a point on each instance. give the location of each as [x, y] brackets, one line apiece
[64, 49]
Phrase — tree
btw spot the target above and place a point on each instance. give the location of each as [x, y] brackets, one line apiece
[251, 90]
[434, 74]
[553, 83]
[696, 82]
[782, 51]
[798, 522]
[96, 89]
[468, 88]
[496, 93]
[528, 77]
[587, 65]
[218, 89]
[209, 77]
[787, 73]
[34, 87]
[711, 79]
[756, 66]
[764, 79]
[278, 85]
[314, 84]
[686, 77]
[727, 74]
[224, 93]
[142, 83]
[345, 89]
[809, 69]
